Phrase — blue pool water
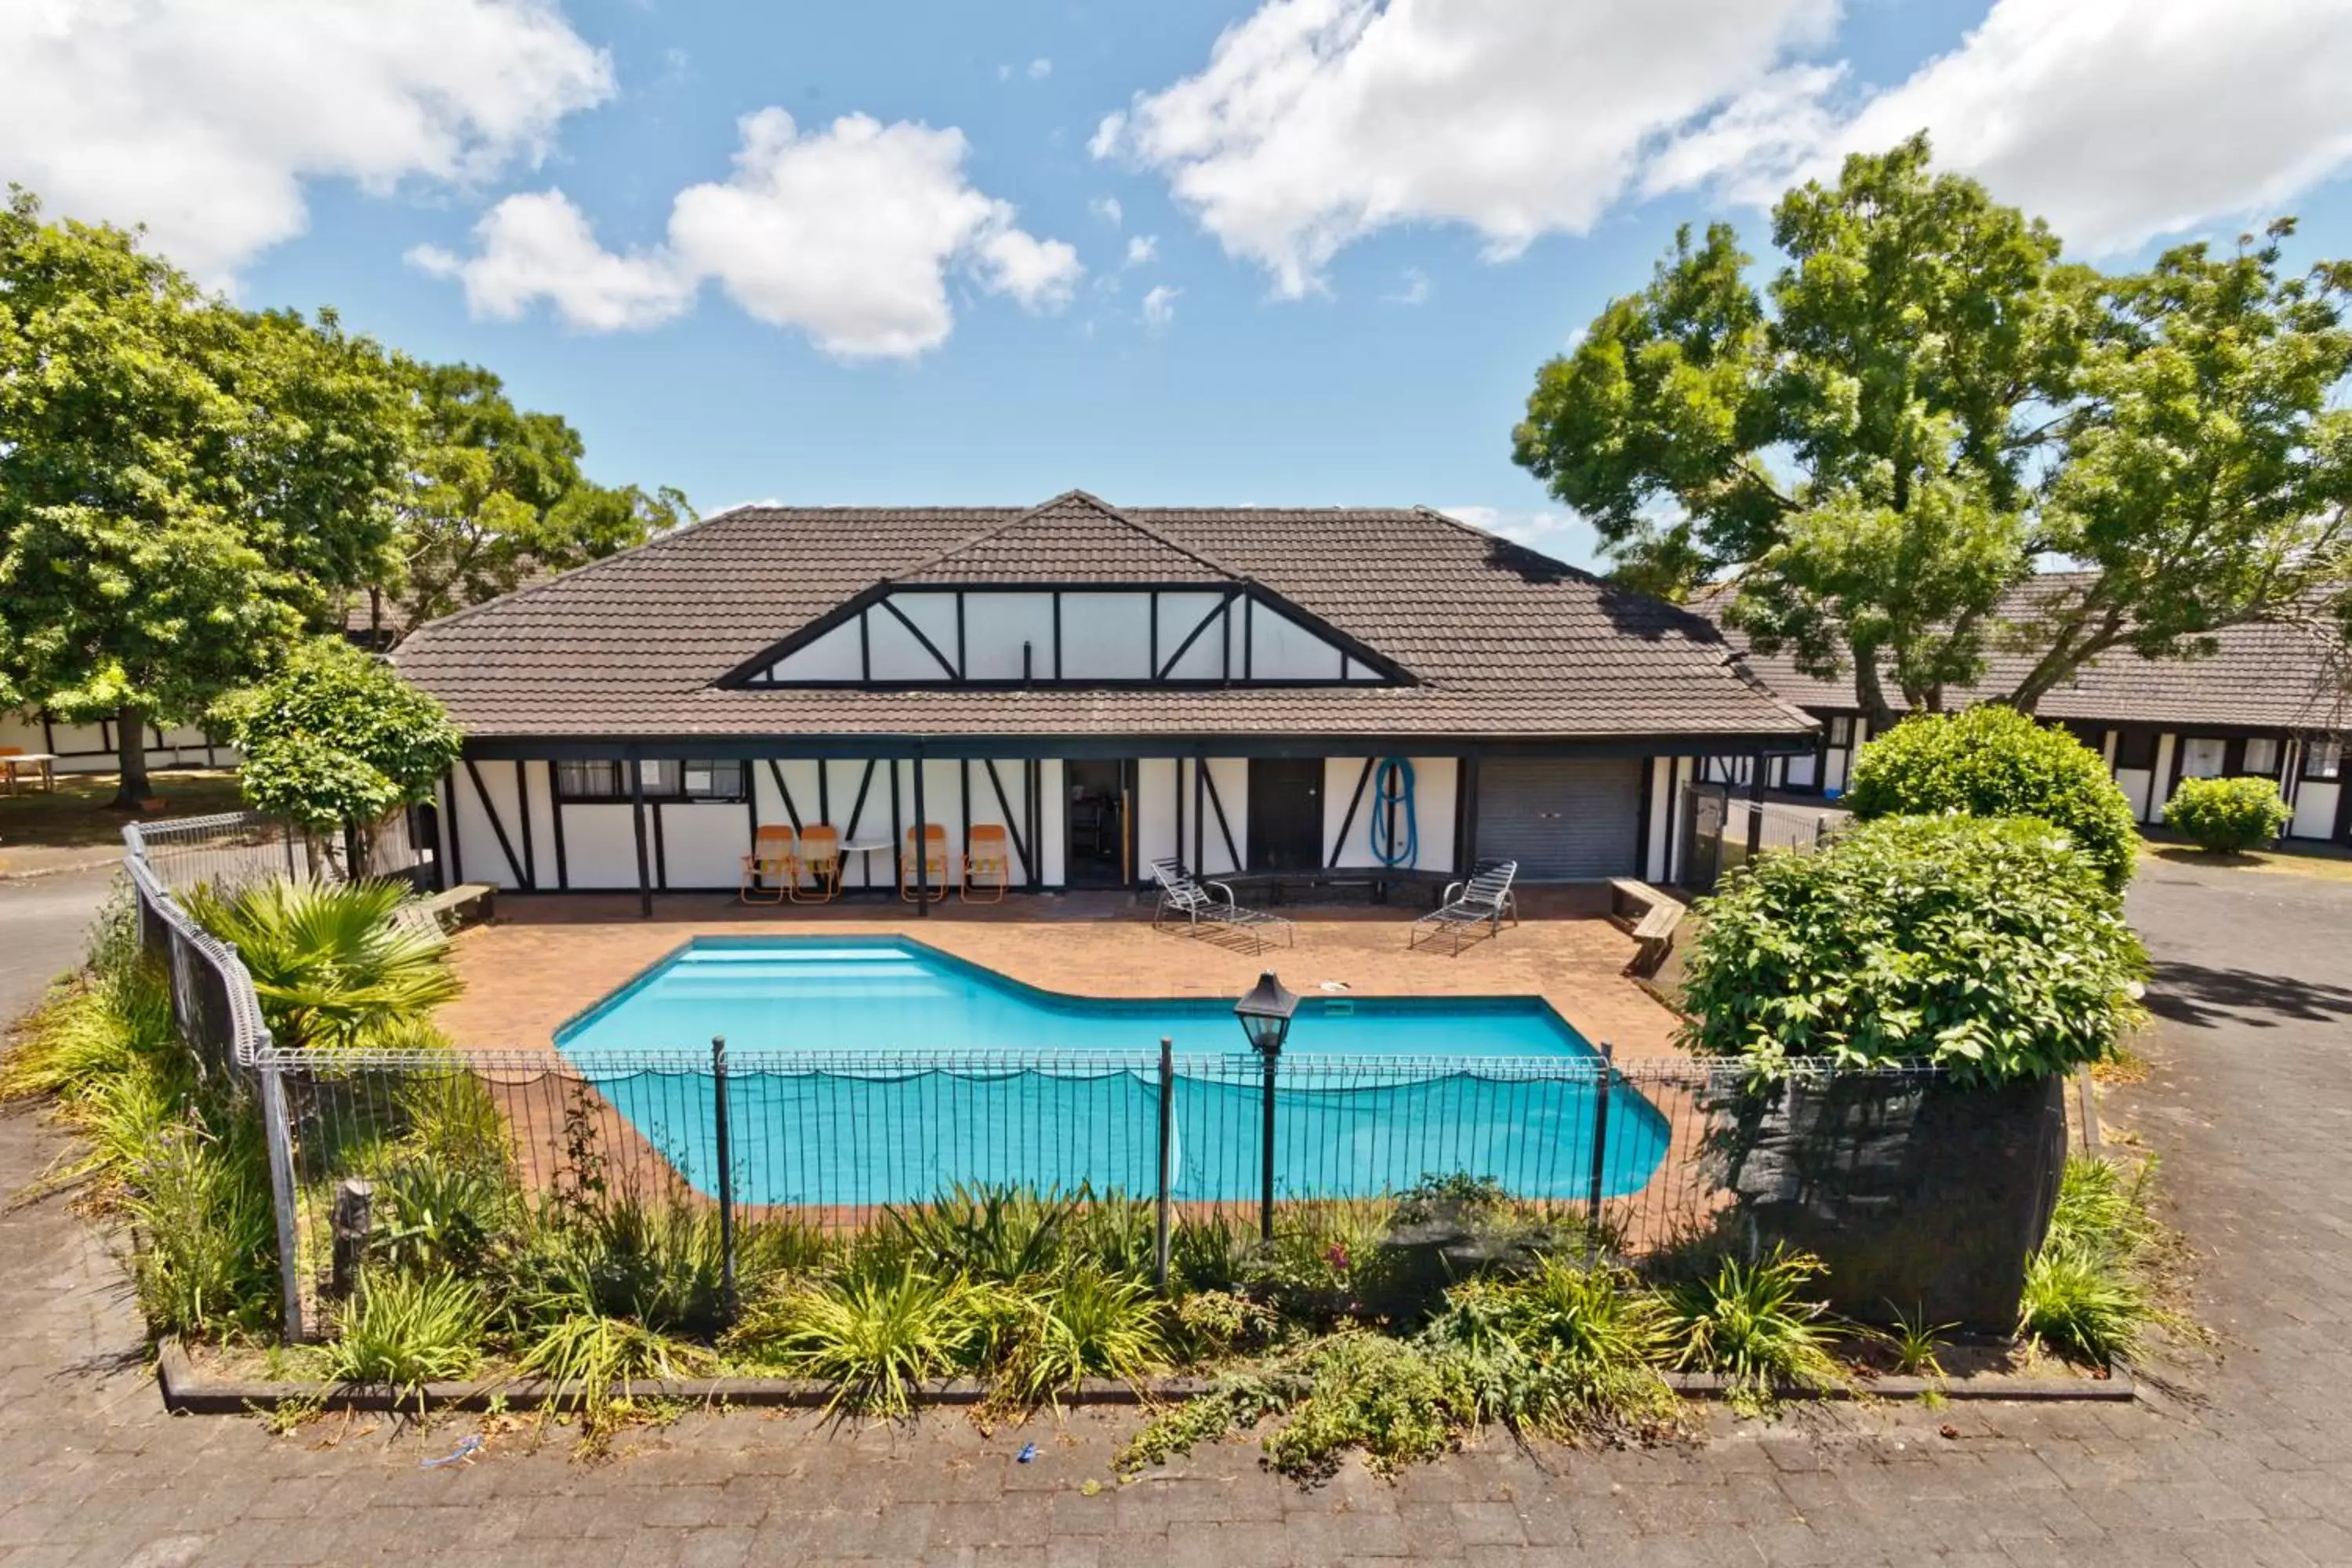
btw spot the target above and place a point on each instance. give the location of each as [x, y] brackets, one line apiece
[830, 1100]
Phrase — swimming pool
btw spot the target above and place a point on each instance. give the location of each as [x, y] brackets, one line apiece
[869, 1070]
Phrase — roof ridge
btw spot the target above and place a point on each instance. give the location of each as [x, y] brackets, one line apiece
[1099, 504]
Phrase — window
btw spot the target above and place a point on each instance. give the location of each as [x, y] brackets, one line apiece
[2135, 748]
[2261, 756]
[2201, 757]
[1841, 729]
[2324, 759]
[667, 778]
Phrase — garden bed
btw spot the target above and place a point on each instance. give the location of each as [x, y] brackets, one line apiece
[208, 1380]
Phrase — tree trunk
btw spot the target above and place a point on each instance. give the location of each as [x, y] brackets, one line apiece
[131, 759]
[1870, 690]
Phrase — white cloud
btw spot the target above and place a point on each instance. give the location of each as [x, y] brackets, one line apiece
[1108, 209]
[205, 121]
[1561, 535]
[1142, 249]
[1414, 290]
[2119, 120]
[1317, 122]
[1160, 307]
[847, 233]
[1039, 69]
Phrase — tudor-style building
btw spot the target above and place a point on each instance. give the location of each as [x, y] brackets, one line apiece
[2270, 701]
[1109, 685]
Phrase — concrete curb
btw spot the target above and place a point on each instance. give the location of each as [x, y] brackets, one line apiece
[186, 1395]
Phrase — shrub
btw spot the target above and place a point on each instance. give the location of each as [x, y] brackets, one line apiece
[596, 1362]
[2086, 1294]
[1392, 1398]
[1992, 760]
[985, 1232]
[206, 1260]
[1088, 1324]
[1753, 1323]
[405, 1330]
[1987, 948]
[1565, 1350]
[2225, 816]
[875, 1338]
[332, 969]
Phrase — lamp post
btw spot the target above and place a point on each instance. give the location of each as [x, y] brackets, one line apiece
[1266, 1013]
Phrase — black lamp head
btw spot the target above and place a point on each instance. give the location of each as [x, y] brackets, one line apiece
[1265, 1013]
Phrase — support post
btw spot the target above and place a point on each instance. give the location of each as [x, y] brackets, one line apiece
[279, 1136]
[727, 1298]
[1167, 1159]
[637, 815]
[354, 1217]
[1265, 1162]
[1755, 807]
[922, 842]
[1600, 1147]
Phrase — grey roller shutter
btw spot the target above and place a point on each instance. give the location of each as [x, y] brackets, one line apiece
[1562, 818]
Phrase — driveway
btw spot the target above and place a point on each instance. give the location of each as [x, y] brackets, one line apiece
[43, 930]
[2239, 1459]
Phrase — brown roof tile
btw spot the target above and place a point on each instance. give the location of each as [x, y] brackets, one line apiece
[1501, 642]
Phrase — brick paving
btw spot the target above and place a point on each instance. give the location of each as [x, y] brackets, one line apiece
[2240, 1461]
[551, 957]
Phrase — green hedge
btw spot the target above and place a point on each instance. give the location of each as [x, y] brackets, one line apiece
[1992, 948]
[2224, 814]
[1994, 760]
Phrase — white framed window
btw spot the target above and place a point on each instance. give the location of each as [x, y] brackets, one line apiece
[1841, 729]
[2324, 759]
[2261, 756]
[2201, 756]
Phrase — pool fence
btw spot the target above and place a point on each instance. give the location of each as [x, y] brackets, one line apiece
[1633, 1156]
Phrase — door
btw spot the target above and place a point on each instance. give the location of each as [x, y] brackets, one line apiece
[1098, 852]
[1563, 819]
[1286, 814]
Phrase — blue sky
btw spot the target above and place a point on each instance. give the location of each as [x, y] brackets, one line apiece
[1344, 234]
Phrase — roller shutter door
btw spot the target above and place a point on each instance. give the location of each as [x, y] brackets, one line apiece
[1563, 819]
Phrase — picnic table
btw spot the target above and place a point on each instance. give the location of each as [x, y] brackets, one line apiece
[13, 763]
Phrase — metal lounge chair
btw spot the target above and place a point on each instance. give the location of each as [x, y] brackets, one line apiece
[1201, 906]
[1472, 910]
[769, 861]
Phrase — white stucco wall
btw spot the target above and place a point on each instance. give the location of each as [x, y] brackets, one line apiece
[1436, 786]
[2315, 809]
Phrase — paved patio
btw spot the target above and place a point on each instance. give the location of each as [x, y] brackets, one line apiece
[548, 958]
[2239, 1461]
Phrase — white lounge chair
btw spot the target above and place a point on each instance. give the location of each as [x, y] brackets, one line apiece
[1210, 905]
[1472, 910]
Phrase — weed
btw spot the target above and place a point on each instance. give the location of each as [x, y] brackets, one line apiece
[437, 1217]
[1210, 1252]
[595, 1362]
[1913, 1339]
[1391, 1398]
[199, 1203]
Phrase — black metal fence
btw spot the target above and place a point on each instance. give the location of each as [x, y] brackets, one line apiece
[1641, 1153]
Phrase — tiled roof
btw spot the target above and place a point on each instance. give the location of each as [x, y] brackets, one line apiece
[2283, 676]
[1501, 642]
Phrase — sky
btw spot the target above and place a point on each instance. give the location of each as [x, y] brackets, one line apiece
[1215, 252]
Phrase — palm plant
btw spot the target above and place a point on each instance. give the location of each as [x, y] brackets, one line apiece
[333, 969]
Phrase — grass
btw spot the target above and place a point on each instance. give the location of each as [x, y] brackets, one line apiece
[1753, 1323]
[405, 1330]
[2302, 861]
[77, 814]
[2106, 1276]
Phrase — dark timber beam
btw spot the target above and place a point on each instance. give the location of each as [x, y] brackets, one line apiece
[638, 818]
[1339, 845]
[497, 828]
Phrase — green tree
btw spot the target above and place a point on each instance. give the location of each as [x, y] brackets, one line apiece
[337, 741]
[495, 494]
[1990, 948]
[1994, 760]
[129, 589]
[1923, 402]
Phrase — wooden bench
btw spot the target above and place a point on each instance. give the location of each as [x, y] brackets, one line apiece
[447, 911]
[1647, 915]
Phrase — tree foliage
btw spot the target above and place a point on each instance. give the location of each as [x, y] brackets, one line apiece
[495, 494]
[338, 740]
[1925, 400]
[2226, 816]
[1992, 948]
[1992, 760]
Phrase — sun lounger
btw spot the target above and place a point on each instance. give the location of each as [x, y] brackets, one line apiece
[1210, 906]
[1470, 912]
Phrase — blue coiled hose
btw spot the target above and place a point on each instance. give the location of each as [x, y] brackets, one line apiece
[1392, 794]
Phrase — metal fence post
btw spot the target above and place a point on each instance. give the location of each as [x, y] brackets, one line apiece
[1265, 1192]
[1167, 1157]
[1600, 1146]
[278, 1133]
[728, 1302]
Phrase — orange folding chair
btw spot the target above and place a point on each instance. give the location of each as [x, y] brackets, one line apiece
[987, 864]
[820, 861]
[770, 860]
[934, 863]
